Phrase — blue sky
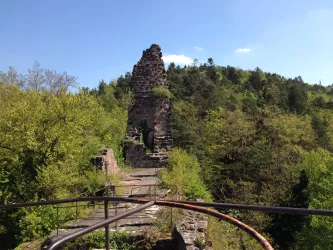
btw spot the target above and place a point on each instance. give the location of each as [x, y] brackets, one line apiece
[96, 40]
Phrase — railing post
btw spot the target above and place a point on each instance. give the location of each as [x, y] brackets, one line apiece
[76, 211]
[113, 193]
[113, 190]
[107, 191]
[171, 222]
[116, 212]
[107, 232]
[57, 221]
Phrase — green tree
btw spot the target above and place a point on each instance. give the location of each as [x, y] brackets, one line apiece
[257, 79]
[318, 166]
[284, 228]
[290, 130]
[186, 126]
[47, 141]
[226, 134]
[298, 99]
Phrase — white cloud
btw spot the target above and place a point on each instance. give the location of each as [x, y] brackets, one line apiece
[243, 50]
[198, 48]
[177, 59]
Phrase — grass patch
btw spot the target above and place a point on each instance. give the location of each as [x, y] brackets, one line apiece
[33, 245]
[228, 237]
[199, 242]
[162, 92]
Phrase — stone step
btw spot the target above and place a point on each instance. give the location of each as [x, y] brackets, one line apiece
[163, 156]
[135, 224]
[160, 154]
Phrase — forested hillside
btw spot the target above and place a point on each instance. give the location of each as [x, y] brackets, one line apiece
[245, 136]
[259, 138]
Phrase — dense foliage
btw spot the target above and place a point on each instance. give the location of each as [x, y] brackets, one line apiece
[259, 138]
[240, 136]
[48, 137]
[184, 171]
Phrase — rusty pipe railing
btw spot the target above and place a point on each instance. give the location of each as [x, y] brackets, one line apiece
[69, 200]
[266, 209]
[252, 232]
[257, 236]
[192, 205]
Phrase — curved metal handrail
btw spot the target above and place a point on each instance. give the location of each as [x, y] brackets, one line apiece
[249, 230]
[252, 232]
[191, 205]
[266, 209]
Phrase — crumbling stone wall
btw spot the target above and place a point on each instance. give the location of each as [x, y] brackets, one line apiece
[137, 157]
[150, 113]
[191, 229]
[106, 161]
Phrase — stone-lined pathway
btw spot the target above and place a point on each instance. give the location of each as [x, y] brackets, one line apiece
[134, 224]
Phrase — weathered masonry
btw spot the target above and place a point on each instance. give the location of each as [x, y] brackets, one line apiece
[151, 112]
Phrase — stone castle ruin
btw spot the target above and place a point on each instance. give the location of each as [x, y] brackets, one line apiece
[151, 113]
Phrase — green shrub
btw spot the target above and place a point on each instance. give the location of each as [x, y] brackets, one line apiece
[94, 180]
[199, 242]
[224, 235]
[118, 240]
[160, 91]
[39, 222]
[184, 170]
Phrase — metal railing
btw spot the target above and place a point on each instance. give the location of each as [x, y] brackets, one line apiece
[175, 195]
[107, 189]
[135, 186]
[191, 205]
[110, 190]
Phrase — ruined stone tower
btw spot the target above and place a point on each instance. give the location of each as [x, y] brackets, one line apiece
[151, 113]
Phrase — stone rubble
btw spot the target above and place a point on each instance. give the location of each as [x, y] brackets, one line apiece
[191, 227]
